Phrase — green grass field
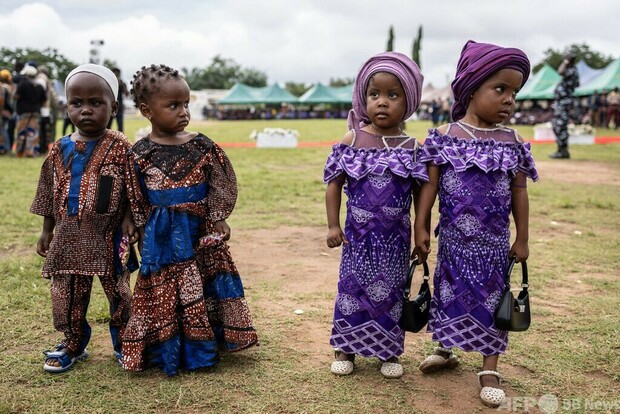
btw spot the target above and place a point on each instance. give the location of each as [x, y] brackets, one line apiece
[572, 350]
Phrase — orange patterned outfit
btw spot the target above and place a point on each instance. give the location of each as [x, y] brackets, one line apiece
[86, 187]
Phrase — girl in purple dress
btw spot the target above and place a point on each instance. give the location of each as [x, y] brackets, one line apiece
[377, 165]
[479, 169]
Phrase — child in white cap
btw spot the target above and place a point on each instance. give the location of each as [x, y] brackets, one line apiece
[84, 199]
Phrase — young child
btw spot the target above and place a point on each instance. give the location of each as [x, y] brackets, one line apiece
[479, 168]
[188, 296]
[82, 195]
[377, 165]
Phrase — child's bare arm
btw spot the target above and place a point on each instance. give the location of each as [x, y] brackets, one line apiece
[333, 198]
[422, 222]
[223, 228]
[47, 234]
[128, 226]
[521, 213]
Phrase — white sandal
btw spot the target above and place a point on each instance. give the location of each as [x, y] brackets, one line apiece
[392, 370]
[435, 362]
[342, 367]
[490, 396]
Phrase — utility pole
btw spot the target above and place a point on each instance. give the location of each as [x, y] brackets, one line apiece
[95, 51]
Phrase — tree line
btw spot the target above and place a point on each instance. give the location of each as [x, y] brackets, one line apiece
[223, 73]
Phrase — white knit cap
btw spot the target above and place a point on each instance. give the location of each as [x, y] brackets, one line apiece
[29, 71]
[101, 71]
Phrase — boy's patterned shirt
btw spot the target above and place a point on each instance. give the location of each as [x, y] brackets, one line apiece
[86, 188]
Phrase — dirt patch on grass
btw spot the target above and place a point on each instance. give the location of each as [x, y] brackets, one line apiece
[301, 272]
[578, 172]
[16, 251]
[291, 268]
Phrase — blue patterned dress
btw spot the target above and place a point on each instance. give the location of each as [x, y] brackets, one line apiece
[475, 182]
[380, 178]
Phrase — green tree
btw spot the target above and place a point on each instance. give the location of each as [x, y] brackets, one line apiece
[417, 46]
[58, 64]
[390, 42]
[582, 51]
[296, 88]
[337, 82]
[252, 77]
[223, 73]
[110, 64]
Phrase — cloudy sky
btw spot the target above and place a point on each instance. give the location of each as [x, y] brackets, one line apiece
[299, 40]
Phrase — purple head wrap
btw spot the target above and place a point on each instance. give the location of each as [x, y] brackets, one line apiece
[478, 62]
[399, 65]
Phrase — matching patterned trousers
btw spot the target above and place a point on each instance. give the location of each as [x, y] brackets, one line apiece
[70, 299]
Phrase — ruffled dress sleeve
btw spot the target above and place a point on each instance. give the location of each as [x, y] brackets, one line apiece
[138, 201]
[360, 162]
[486, 154]
[222, 185]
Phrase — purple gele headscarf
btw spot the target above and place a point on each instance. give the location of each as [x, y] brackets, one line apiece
[478, 62]
[399, 65]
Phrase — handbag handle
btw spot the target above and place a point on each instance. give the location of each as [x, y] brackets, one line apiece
[524, 278]
[412, 267]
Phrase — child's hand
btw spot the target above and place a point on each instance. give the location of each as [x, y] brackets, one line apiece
[223, 228]
[520, 250]
[422, 246]
[335, 237]
[130, 230]
[43, 244]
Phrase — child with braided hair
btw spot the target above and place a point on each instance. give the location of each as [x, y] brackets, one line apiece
[188, 297]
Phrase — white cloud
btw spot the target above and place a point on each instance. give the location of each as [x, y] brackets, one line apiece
[304, 41]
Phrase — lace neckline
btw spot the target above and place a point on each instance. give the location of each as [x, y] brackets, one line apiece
[403, 136]
[470, 128]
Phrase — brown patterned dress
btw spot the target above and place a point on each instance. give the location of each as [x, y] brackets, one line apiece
[85, 187]
[188, 298]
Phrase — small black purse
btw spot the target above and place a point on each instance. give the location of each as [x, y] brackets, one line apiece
[415, 311]
[513, 314]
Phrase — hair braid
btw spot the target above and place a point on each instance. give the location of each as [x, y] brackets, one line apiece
[148, 80]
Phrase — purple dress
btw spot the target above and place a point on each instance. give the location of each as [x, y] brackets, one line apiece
[380, 175]
[476, 176]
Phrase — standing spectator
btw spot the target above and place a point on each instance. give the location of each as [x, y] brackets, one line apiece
[435, 112]
[563, 105]
[45, 124]
[29, 96]
[594, 106]
[66, 123]
[603, 109]
[6, 91]
[18, 66]
[122, 92]
[613, 101]
[445, 110]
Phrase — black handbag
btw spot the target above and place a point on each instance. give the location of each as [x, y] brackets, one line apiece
[415, 311]
[513, 314]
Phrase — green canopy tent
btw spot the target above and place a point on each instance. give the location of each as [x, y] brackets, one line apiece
[541, 85]
[241, 94]
[321, 94]
[275, 94]
[606, 81]
[345, 93]
[318, 94]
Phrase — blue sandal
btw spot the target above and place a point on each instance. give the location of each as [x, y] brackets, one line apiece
[119, 358]
[60, 355]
